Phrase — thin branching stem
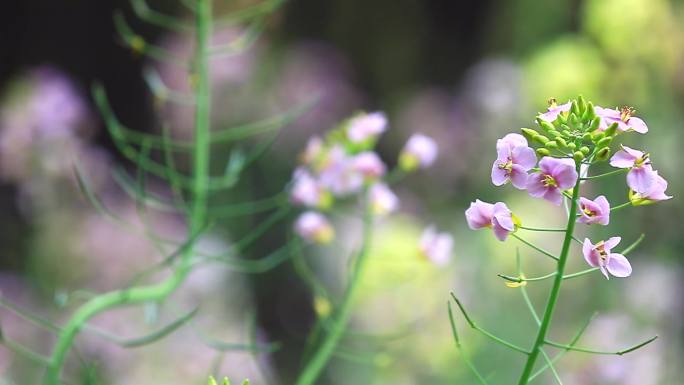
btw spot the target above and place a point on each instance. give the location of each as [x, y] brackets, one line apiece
[535, 247]
[601, 352]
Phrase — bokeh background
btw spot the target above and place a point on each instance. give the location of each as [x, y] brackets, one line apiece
[465, 73]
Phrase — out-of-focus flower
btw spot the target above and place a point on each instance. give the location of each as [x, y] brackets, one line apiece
[314, 227]
[436, 247]
[623, 117]
[656, 194]
[369, 164]
[596, 211]
[600, 255]
[514, 159]
[554, 110]
[497, 216]
[420, 151]
[338, 173]
[641, 176]
[307, 191]
[366, 126]
[554, 175]
[382, 200]
[313, 151]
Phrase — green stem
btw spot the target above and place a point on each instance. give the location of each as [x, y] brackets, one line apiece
[197, 218]
[320, 357]
[542, 229]
[555, 290]
[618, 207]
[606, 174]
[539, 249]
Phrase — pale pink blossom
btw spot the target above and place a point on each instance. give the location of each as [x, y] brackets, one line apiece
[554, 110]
[369, 164]
[600, 255]
[366, 126]
[436, 247]
[420, 151]
[497, 216]
[382, 200]
[655, 194]
[307, 190]
[554, 176]
[623, 117]
[596, 211]
[514, 160]
[314, 227]
[641, 176]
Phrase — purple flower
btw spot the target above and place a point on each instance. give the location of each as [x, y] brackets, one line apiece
[369, 164]
[338, 174]
[436, 247]
[313, 151]
[596, 211]
[497, 216]
[657, 193]
[599, 255]
[623, 117]
[308, 191]
[554, 175]
[314, 227]
[514, 159]
[382, 200]
[420, 151]
[554, 110]
[366, 126]
[641, 176]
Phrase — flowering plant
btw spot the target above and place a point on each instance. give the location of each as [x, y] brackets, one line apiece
[572, 140]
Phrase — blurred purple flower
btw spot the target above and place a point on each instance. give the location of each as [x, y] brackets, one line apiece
[554, 175]
[369, 164]
[600, 255]
[436, 247]
[338, 173]
[366, 126]
[308, 191]
[314, 227]
[382, 200]
[420, 151]
[596, 211]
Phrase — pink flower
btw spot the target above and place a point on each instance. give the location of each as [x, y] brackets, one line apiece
[419, 151]
[314, 227]
[555, 175]
[641, 176]
[308, 191]
[623, 117]
[599, 255]
[435, 246]
[338, 174]
[382, 200]
[369, 164]
[497, 216]
[313, 151]
[366, 126]
[657, 193]
[596, 211]
[514, 159]
[554, 110]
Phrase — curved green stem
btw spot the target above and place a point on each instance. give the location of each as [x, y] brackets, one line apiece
[322, 354]
[197, 218]
[539, 249]
[619, 171]
[618, 207]
[555, 290]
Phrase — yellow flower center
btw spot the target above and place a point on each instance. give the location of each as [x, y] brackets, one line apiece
[626, 113]
[508, 166]
[549, 181]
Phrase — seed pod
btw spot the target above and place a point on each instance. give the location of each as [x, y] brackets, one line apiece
[585, 150]
[543, 151]
[572, 146]
[561, 142]
[603, 153]
[578, 156]
[611, 130]
[541, 139]
[529, 133]
[551, 144]
[605, 142]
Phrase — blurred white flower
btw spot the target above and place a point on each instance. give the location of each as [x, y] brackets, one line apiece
[369, 164]
[436, 247]
[382, 200]
[366, 126]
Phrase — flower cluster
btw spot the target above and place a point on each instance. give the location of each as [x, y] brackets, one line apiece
[343, 164]
[576, 136]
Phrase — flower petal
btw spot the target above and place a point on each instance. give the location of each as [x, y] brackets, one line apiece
[588, 252]
[641, 179]
[499, 176]
[618, 266]
[524, 156]
[518, 177]
[638, 125]
[612, 242]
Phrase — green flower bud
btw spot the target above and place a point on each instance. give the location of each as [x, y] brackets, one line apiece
[582, 104]
[611, 130]
[595, 123]
[541, 139]
[573, 119]
[574, 109]
[578, 156]
[585, 150]
[572, 146]
[605, 142]
[529, 133]
[561, 142]
[546, 126]
[598, 136]
[603, 153]
[566, 133]
[551, 144]
[554, 133]
[586, 137]
[589, 113]
[543, 151]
